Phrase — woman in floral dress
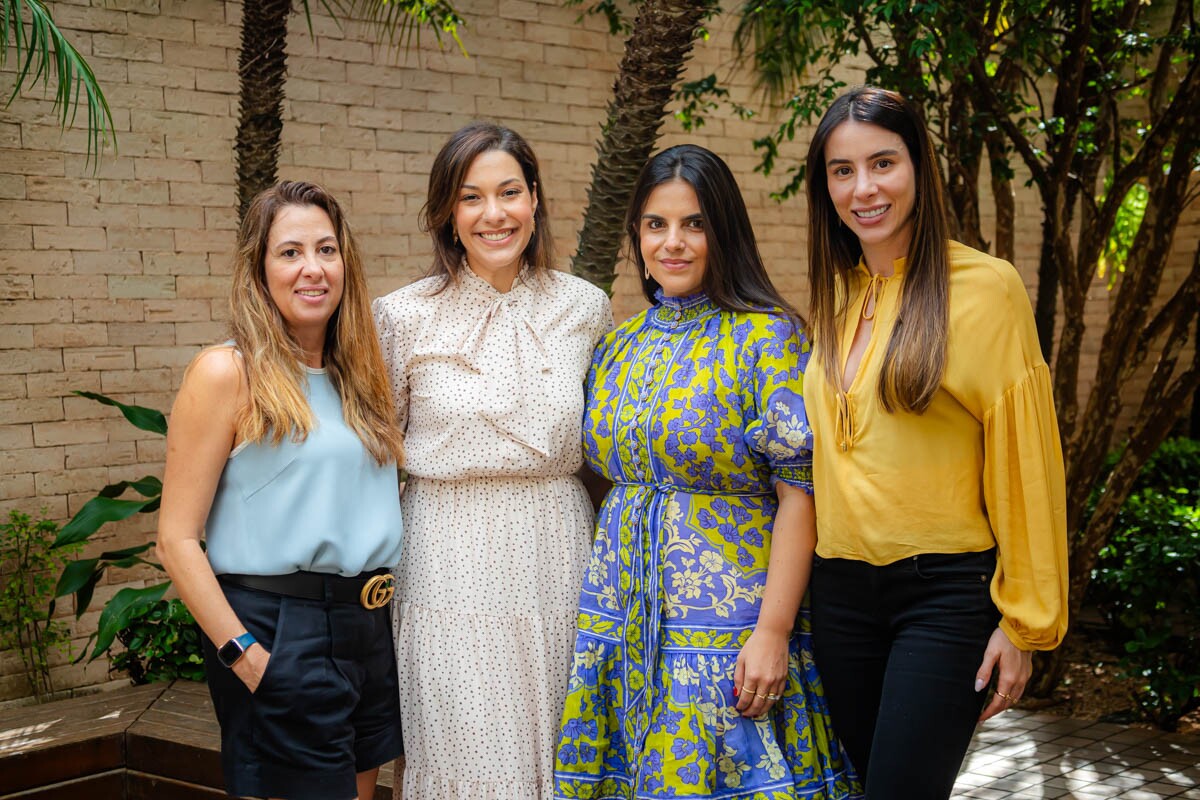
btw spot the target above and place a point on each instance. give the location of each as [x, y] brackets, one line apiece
[692, 674]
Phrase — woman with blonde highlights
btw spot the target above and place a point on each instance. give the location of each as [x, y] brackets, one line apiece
[282, 454]
[941, 524]
[487, 358]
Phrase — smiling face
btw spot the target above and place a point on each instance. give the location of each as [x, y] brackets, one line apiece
[304, 273]
[493, 217]
[872, 183]
[673, 242]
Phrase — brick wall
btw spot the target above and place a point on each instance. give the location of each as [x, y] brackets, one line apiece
[111, 280]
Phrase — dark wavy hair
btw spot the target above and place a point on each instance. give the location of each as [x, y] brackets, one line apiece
[446, 177]
[916, 352]
[735, 278]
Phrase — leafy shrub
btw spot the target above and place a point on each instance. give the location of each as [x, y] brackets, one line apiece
[1147, 583]
[162, 643]
[25, 625]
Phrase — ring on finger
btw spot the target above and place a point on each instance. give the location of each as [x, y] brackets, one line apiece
[772, 697]
[1007, 697]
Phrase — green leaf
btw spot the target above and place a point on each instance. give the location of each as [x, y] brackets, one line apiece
[147, 419]
[98, 511]
[48, 50]
[124, 606]
[76, 575]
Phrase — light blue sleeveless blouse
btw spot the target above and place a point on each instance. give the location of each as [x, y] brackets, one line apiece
[321, 505]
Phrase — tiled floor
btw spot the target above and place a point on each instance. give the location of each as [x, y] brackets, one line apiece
[1026, 756]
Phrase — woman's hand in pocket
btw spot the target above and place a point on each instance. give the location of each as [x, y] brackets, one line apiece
[251, 667]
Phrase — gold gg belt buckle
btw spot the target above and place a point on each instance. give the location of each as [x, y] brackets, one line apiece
[377, 592]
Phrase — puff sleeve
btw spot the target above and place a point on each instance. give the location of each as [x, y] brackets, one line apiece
[1024, 487]
[777, 426]
[396, 346]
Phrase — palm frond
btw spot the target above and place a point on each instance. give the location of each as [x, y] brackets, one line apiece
[398, 22]
[43, 51]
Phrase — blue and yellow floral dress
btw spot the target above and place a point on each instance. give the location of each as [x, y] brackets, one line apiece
[692, 413]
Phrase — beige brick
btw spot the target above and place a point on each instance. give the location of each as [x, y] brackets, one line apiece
[49, 434]
[35, 311]
[142, 286]
[400, 99]
[63, 238]
[209, 103]
[138, 239]
[33, 212]
[152, 450]
[71, 190]
[172, 216]
[139, 191]
[197, 310]
[59, 384]
[221, 219]
[65, 481]
[75, 334]
[80, 456]
[166, 75]
[151, 357]
[126, 47]
[100, 215]
[10, 135]
[211, 80]
[108, 310]
[13, 386]
[158, 26]
[17, 486]
[32, 162]
[97, 358]
[225, 35]
[166, 169]
[13, 187]
[171, 263]
[213, 147]
[31, 409]
[148, 380]
[200, 55]
[127, 334]
[16, 287]
[318, 69]
[190, 241]
[201, 333]
[17, 362]
[16, 437]
[78, 18]
[16, 236]
[60, 286]
[14, 337]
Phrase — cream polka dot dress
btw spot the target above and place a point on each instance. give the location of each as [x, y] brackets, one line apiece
[489, 389]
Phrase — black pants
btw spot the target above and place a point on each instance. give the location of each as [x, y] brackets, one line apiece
[898, 647]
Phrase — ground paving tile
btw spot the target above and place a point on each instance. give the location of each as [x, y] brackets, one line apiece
[1023, 755]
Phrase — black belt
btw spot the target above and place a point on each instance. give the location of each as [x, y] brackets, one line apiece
[369, 589]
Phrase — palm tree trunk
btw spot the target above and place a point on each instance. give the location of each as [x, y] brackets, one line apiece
[655, 54]
[262, 69]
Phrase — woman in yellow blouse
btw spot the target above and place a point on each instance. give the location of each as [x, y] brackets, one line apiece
[941, 524]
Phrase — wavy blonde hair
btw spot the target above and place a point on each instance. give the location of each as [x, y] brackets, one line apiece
[274, 359]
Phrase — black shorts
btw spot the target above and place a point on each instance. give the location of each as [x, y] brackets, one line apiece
[328, 705]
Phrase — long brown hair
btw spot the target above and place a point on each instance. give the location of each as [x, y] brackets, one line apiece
[446, 177]
[916, 351]
[735, 278]
[273, 358]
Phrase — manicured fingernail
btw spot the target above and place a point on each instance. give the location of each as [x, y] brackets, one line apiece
[979, 684]
[735, 691]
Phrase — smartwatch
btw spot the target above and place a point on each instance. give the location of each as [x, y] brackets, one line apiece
[229, 653]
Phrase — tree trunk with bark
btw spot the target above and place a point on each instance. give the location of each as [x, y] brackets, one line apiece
[262, 74]
[655, 54]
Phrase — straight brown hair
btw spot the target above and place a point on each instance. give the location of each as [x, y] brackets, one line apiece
[916, 352]
[446, 178]
[273, 358]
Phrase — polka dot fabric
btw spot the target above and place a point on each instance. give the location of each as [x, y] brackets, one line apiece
[489, 387]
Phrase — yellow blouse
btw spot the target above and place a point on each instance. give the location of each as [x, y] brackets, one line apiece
[981, 468]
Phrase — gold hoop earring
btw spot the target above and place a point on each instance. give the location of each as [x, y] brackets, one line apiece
[455, 232]
[647, 272]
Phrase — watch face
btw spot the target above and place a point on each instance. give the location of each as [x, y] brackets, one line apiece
[230, 652]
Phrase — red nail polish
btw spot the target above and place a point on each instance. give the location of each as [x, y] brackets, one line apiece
[735, 691]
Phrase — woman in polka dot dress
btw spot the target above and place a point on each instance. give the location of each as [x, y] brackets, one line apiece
[487, 358]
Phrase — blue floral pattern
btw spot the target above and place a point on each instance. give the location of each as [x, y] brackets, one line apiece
[693, 413]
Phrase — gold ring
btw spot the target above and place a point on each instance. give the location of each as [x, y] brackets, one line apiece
[1007, 697]
[748, 691]
[760, 694]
